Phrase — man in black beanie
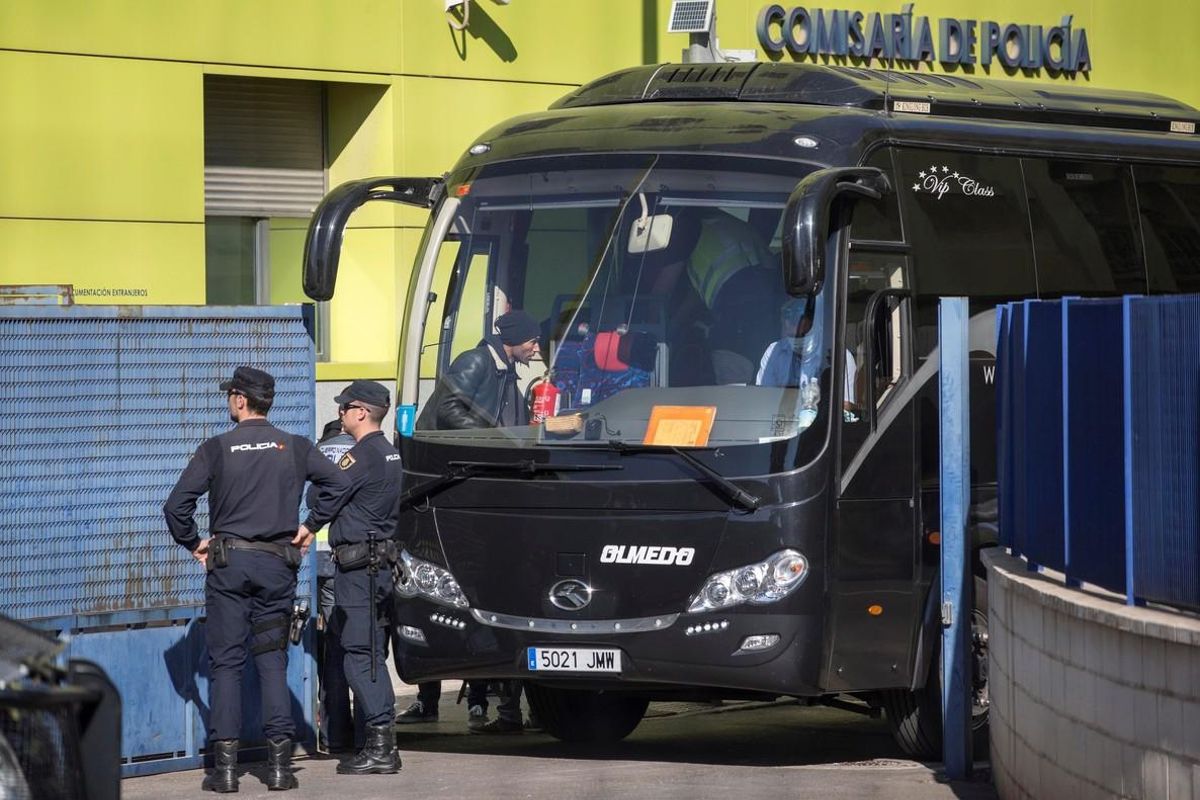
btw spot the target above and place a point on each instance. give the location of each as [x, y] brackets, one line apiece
[479, 389]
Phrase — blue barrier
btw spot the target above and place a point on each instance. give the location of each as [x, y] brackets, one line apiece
[1041, 407]
[1162, 380]
[1016, 388]
[1094, 490]
[83, 546]
[1004, 423]
[1099, 441]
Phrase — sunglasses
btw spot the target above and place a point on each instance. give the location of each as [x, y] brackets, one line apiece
[344, 407]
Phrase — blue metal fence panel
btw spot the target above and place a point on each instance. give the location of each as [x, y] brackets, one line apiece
[1163, 387]
[1094, 494]
[164, 661]
[1004, 425]
[83, 545]
[1042, 456]
[1017, 436]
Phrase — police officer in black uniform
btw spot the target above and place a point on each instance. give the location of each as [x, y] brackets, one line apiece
[362, 539]
[254, 476]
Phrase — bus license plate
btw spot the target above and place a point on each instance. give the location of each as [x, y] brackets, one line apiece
[574, 659]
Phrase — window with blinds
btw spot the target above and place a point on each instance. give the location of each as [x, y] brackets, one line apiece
[264, 153]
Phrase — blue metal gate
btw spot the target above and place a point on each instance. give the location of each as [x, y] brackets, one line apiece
[103, 407]
[1099, 450]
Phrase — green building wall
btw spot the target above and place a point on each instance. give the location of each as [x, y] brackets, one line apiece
[101, 137]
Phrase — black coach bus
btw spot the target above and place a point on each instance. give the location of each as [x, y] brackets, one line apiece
[736, 270]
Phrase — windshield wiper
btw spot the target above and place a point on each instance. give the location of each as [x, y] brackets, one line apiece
[733, 493]
[462, 470]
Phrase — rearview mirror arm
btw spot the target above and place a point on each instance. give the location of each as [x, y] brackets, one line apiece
[323, 243]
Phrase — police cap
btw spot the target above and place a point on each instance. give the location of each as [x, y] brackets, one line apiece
[251, 381]
[369, 392]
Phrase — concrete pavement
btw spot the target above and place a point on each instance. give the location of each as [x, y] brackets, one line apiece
[683, 751]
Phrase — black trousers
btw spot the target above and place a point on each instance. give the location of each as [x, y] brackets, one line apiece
[339, 727]
[251, 598]
[352, 625]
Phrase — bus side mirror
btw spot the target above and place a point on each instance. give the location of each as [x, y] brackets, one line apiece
[807, 218]
[323, 244]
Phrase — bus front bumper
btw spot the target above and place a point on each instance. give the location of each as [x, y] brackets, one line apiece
[741, 649]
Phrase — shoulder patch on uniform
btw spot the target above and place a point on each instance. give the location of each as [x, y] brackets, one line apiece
[347, 461]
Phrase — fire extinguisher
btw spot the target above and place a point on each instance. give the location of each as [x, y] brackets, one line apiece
[545, 400]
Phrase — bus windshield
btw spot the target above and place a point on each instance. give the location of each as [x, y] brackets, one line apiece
[656, 288]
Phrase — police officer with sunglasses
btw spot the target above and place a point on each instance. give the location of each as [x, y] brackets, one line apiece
[362, 540]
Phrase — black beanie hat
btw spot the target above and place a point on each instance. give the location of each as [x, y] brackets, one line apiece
[517, 327]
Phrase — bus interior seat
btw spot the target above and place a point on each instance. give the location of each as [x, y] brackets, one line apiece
[600, 365]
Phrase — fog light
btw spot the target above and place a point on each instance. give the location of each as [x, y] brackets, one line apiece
[412, 634]
[758, 642]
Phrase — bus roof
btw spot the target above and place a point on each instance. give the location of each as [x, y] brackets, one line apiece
[879, 90]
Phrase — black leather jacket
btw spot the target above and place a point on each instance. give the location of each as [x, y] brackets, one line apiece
[472, 392]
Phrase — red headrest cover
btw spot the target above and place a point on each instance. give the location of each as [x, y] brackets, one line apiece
[616, 352]
[608, 345]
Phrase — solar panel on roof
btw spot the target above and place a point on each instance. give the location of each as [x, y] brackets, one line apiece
[690, 16]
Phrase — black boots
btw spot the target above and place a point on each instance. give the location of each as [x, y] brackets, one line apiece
[279, 766]
[223, 778]
[378, 757]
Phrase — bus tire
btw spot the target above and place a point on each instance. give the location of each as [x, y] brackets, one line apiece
[572, 715]
[916, 717]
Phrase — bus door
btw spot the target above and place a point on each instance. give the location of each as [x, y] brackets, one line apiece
[874, 604]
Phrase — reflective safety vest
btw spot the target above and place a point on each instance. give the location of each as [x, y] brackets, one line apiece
[725, 246]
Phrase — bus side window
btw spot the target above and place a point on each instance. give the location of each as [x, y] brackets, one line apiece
[1085, 231]
[875, 346]
[886, 351]
[966, 217]
[1169, 206]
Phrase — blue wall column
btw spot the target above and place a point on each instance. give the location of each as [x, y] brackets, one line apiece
[954, 383]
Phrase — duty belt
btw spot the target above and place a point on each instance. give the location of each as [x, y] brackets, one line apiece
[363, 554]
[284, 550]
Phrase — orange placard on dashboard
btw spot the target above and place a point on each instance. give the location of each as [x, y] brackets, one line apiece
[680, 426]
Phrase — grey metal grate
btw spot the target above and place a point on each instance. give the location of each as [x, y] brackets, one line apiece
[136, 393]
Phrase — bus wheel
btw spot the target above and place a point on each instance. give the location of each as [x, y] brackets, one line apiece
[581, 716]
[916, 717]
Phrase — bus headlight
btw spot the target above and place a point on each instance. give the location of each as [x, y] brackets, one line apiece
[765, 582]
[419, 578]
